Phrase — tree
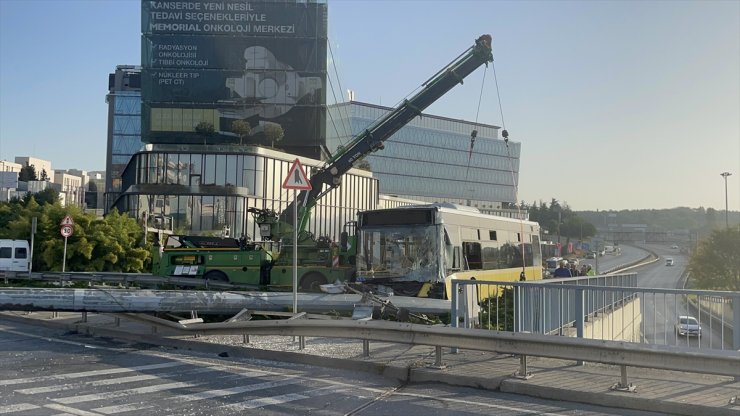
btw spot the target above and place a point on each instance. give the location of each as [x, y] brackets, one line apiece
[242, 129]
[44, 176]
[274, 133]
[715, 265]
[497, 312]
[711, 218]
[9, 212]
[47, 196]
[205, 129]
[28, 173]
[109, 244]
[116, 245]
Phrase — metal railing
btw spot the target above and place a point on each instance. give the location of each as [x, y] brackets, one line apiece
[602, 307]
[606, 352]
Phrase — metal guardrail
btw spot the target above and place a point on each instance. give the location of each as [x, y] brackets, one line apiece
[606, 352]
[652, 257]
[568, 305]
[543, 304]
[701, 309]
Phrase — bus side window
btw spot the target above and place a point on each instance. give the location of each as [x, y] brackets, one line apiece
[472, 253]
[456, 258]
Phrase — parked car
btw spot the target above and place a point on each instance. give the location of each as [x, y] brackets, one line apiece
[15, 256]
[688, 325]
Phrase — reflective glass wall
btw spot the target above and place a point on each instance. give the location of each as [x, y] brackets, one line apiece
[124, 125]
[431, 158]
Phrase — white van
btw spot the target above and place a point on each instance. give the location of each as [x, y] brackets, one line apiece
[15, 256]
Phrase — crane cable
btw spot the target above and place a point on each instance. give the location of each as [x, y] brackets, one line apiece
[505, 135]
[474, 133]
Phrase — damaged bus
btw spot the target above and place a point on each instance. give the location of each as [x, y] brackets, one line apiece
[417, 250]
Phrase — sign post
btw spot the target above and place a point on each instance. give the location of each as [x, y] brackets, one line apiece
[297, 181]
[66, 228]
[597, 244]
[34, 222]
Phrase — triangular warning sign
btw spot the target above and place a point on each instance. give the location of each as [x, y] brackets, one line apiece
[296, 178]
[67, 220]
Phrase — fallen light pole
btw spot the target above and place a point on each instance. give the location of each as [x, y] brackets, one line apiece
[125, 300]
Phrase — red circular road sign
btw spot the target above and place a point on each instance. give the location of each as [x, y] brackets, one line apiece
[66, 230]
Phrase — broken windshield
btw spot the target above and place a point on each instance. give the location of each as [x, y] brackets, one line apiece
[403, 252]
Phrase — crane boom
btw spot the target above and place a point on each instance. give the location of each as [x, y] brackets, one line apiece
[372, 138]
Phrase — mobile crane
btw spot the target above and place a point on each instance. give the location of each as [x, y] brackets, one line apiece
[258, 266]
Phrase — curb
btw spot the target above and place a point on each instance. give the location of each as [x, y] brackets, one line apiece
[618, 400]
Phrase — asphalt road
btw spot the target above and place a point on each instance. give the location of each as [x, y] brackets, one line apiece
[609, 261]
[47, 373]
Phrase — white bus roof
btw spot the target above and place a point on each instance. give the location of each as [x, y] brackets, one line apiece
[460, 210]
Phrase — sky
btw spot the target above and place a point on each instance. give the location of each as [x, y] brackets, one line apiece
[616, 104]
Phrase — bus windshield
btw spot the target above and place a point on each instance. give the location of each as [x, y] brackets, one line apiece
[409, 253]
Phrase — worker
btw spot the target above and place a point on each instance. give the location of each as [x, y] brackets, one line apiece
[574, 270]
[562, 270]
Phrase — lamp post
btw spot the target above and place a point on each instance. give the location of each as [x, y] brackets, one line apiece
[727, 221]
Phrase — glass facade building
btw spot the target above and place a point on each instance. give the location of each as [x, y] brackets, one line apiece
[206, 189]
[124, 125]
[430, 159]
[257, 62]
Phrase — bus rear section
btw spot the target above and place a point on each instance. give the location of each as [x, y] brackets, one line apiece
[15, 256]
[418, 250]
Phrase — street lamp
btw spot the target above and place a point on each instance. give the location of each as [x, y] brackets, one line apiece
[725, 175]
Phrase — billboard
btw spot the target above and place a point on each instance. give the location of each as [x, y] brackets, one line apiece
[233, 53]
[262, 62]
[234, 17]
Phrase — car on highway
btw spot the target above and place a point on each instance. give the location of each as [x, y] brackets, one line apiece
[688, 325]
[675, 247]
[669, 262]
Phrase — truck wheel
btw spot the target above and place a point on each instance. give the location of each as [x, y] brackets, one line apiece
[216, 276]
[310, 282]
